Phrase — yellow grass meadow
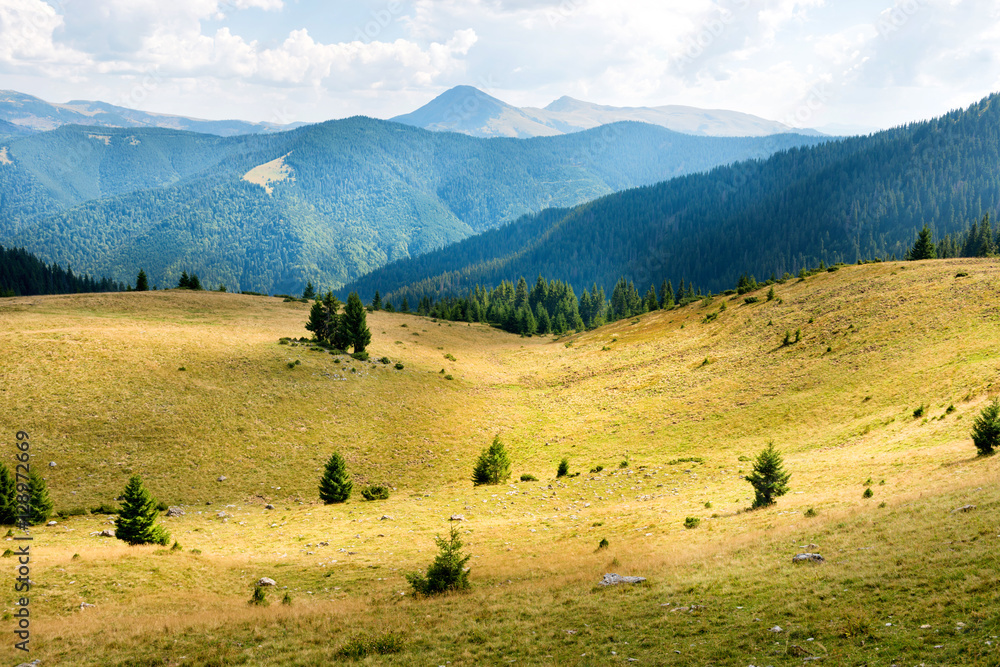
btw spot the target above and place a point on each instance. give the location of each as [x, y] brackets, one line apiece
[195, 392]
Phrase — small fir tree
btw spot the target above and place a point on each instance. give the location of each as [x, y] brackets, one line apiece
[768, 478]
[309, 292]
[8, 497]
[493, 466]
[195, 282]
[335, 486]
[447, 572]
[141, 282]
[923, 248]
[986, 429]
[377, 301]
[40, 507]
[185, 281]
[354, 324]
[563, 468]
[319, 322]
[136, 523]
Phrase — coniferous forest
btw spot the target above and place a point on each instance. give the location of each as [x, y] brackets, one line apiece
[853, 199]
[23, 274]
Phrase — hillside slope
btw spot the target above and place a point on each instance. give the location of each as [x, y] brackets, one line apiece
[184, 388]
[840, 201]
[352, 194]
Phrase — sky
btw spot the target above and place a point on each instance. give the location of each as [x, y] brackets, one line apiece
[862, 64]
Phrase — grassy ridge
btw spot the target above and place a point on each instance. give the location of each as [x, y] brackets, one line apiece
[95, 381]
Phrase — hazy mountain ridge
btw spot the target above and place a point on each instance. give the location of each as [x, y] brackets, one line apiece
[471, 111]
[34, 114]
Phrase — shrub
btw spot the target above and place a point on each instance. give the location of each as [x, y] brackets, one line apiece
[563, 468]
[104, 508]
[596, 469]
[493, 466]
[603, 544]
[177, 546]
[375, 492]
[751, 299]
[399, 366]
[919, 412]
[360, 356]
[161, 506]
[810, 513]
[623, 464]
[335, 486]
[259, 598]
[362, 647]
[787, 340]
[868, 493]
[385, 360]
[136, 523]
[986, 429]
[8, 497]
[769, 479]
[692, 522]
[450, 357]
[447, 572]
[528, 478]
[448, 377]
[708, 505]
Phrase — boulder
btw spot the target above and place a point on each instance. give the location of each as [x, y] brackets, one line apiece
[964, 508]
[106, 533]
[617, 579]
[266, 581]
[52, 523]
[457, 517]
[175, 511]
[808, 558]
[221, 478]
[269, 506]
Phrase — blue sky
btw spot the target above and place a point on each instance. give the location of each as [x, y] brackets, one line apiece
[872, 63]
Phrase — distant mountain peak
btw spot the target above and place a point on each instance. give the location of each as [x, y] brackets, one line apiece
[468, 110]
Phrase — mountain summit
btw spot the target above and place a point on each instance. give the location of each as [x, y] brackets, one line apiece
[471, 111]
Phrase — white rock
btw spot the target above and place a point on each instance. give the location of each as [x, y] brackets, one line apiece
[776, 629]
[611, 579]
[266, 581]
[52, 523]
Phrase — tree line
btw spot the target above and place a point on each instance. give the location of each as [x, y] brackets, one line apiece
[24, 274]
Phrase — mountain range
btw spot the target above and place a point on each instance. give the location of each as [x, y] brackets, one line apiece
[27, 113]
[853, 199]
[471, 111]
[325, 203]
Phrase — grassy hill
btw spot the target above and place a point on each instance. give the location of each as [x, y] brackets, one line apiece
[97, 384]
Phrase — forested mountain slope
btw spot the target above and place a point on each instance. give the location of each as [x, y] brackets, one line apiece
[324, 203]
[841, 201]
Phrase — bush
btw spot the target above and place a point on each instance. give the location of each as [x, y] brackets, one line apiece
[563, 468]
[375, 492]
[287, 600]
[362, 647]
[751, 299]
[810, 513]
[360, 356]
[603, 544]
[450, 357]
[868, 493]
[399, 366]
[528, 478]
[596, 469]
[623, 464]
[919, 412]
[986, 429]
[692, 522]
[385, 360]
[769, 479]
[493, 466]
[447, 572]
[335, 486]
[259, 598]
[104, 508]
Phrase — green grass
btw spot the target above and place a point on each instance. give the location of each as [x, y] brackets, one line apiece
[96, 385]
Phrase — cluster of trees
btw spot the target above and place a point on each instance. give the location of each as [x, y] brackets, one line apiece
[977, 240]
[548, 306]
[14, 496]
[23, 274]
[338, 331]
[192, 282]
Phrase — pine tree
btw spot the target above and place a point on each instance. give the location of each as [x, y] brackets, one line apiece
[319, 322]
[136, 523]
[40, 504]
[354, 324]
[405, 306]
[768, 478]
[986, 429]
[377, 301]
[923, 247]
[493, 466]
[8, 497]
[195, 282]
[185, 281]
[543, 324]
[652, 303]
[447, 572]
[309, 292]
[141, 282]
[335, 486]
